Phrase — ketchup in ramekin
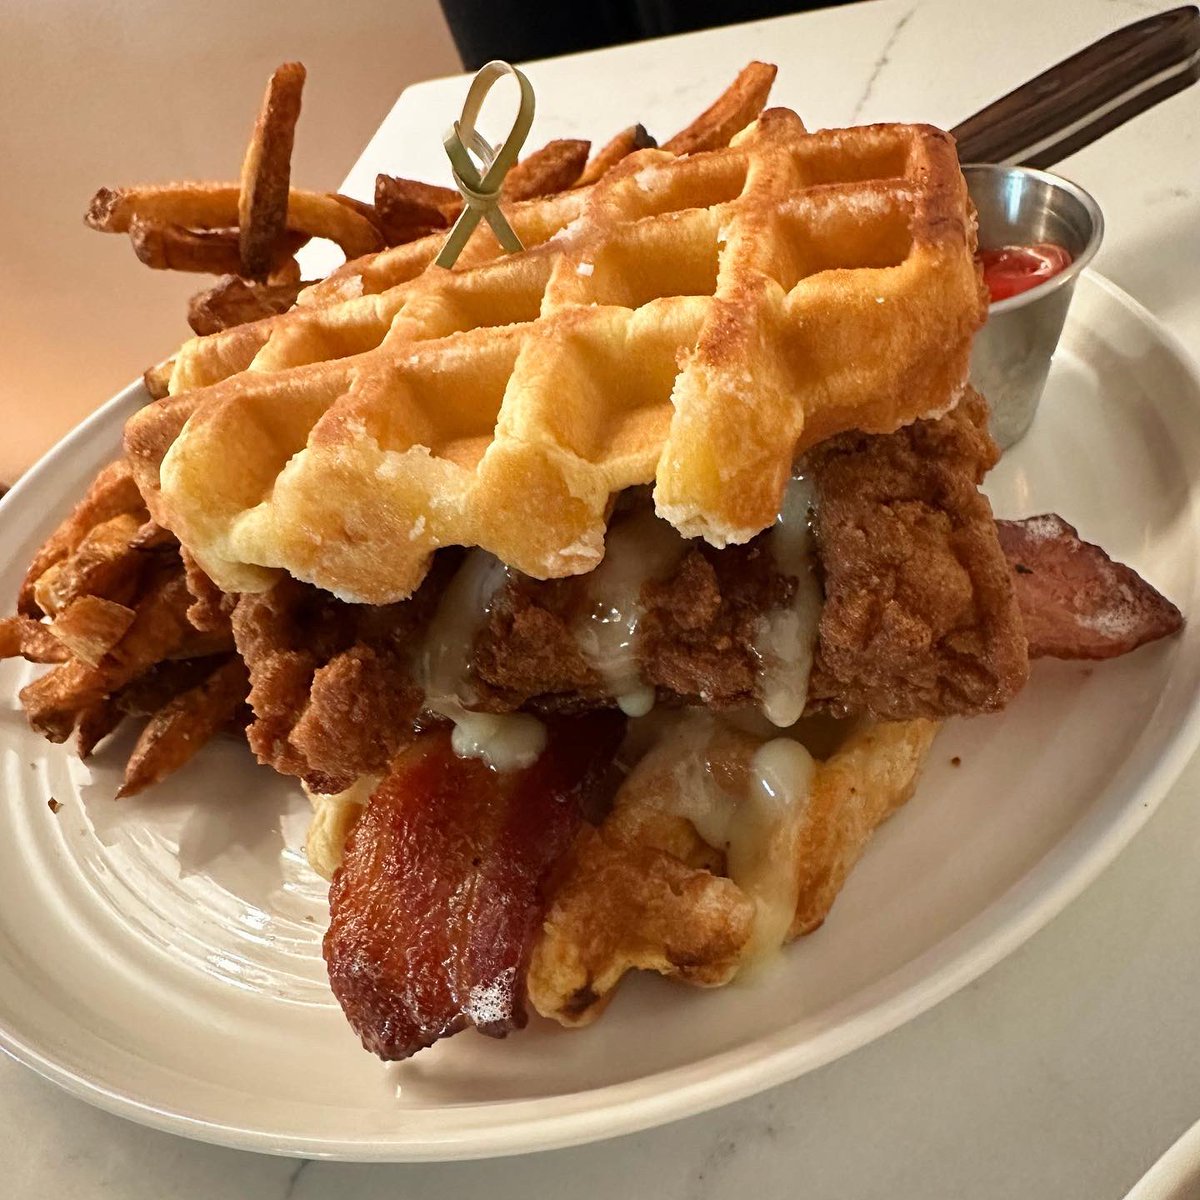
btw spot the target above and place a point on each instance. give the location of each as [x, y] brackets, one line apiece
[1011, 270]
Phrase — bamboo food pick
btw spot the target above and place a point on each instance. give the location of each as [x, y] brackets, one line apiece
[481, 192]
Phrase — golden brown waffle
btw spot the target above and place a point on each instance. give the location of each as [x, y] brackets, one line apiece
[645, 891]
[693, 322]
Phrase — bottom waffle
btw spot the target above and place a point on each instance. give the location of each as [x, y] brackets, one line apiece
[703, 864]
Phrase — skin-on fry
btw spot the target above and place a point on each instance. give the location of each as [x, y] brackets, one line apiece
[54, 702]
[112, 492]
[607, 157]
[105, 563]
[89, 627]
[732, 111]
[161, 625]
[422, 203]
[215, 206]
[175, 733]
[23, 637]
[360, 206]
[267, 173]
[409, 210]
[554, 168]
[50, 590]
[206, 251]
[287, 272]
[157, 379]
[155, 688]
[94, 725]
[152, 536]
[232, 301]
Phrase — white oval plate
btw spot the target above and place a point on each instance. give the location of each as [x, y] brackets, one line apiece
[161, 956]
[1176, 1176]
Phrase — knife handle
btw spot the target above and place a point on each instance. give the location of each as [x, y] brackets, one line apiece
[1087, 95]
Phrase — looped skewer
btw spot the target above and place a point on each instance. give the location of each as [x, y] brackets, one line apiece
[481, 192]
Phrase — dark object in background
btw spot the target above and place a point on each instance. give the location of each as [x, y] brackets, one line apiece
[509, 29]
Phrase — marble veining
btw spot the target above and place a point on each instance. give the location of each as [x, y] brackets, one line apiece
[881, 62]
[293, 1181]
[1162, 195]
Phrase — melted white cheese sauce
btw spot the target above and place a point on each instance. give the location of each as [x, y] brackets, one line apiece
[644, 547]
[639, 548]
[505, 741]
[636, 550]
[751, 810]
[763, 857]
[787, 637]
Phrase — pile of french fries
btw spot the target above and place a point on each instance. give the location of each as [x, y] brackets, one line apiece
[106, 601]
[130, 627]
[249, 232]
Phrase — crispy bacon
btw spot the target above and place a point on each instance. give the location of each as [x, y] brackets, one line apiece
[1075, 601]
[434, 910]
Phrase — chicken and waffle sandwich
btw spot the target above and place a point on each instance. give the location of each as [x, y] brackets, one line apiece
[604, 596]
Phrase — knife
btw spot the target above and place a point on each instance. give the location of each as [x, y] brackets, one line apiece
[1087, 95]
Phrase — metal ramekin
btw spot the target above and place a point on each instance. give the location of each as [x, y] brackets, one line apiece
[1018, 206]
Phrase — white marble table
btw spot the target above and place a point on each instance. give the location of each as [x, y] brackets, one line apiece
[1062, 1073]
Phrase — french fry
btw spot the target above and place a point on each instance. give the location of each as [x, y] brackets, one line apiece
[176, 732]
[732, 111]
[553, 168]
[215, 206]
[112, 492]
[157, 379]
[105, 563]
[635, 137]
[607, 157]
[164, 247]
[359, 206]
[155, 688]
[206, 251]
[58, 699]
[50, 590]
[160, 627]
[152, 536]
[287, 272]
[23, 637]
[94, 725]
[89, 627]
[232, 301]
[409, 210]
[192, 205]
[267, 172]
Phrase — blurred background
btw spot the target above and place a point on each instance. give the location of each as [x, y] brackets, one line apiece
[99, 93]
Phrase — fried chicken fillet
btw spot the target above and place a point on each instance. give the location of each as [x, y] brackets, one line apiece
[920, 618]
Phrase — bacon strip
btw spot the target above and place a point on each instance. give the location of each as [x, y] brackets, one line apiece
[1075, 601]
[434, 910]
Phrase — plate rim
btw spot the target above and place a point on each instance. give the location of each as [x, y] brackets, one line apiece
[1178, 1166]
[1041, 895]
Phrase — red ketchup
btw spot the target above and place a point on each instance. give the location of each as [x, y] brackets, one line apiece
[1010, 270]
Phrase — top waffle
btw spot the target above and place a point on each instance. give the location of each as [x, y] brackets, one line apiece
[689, 322]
